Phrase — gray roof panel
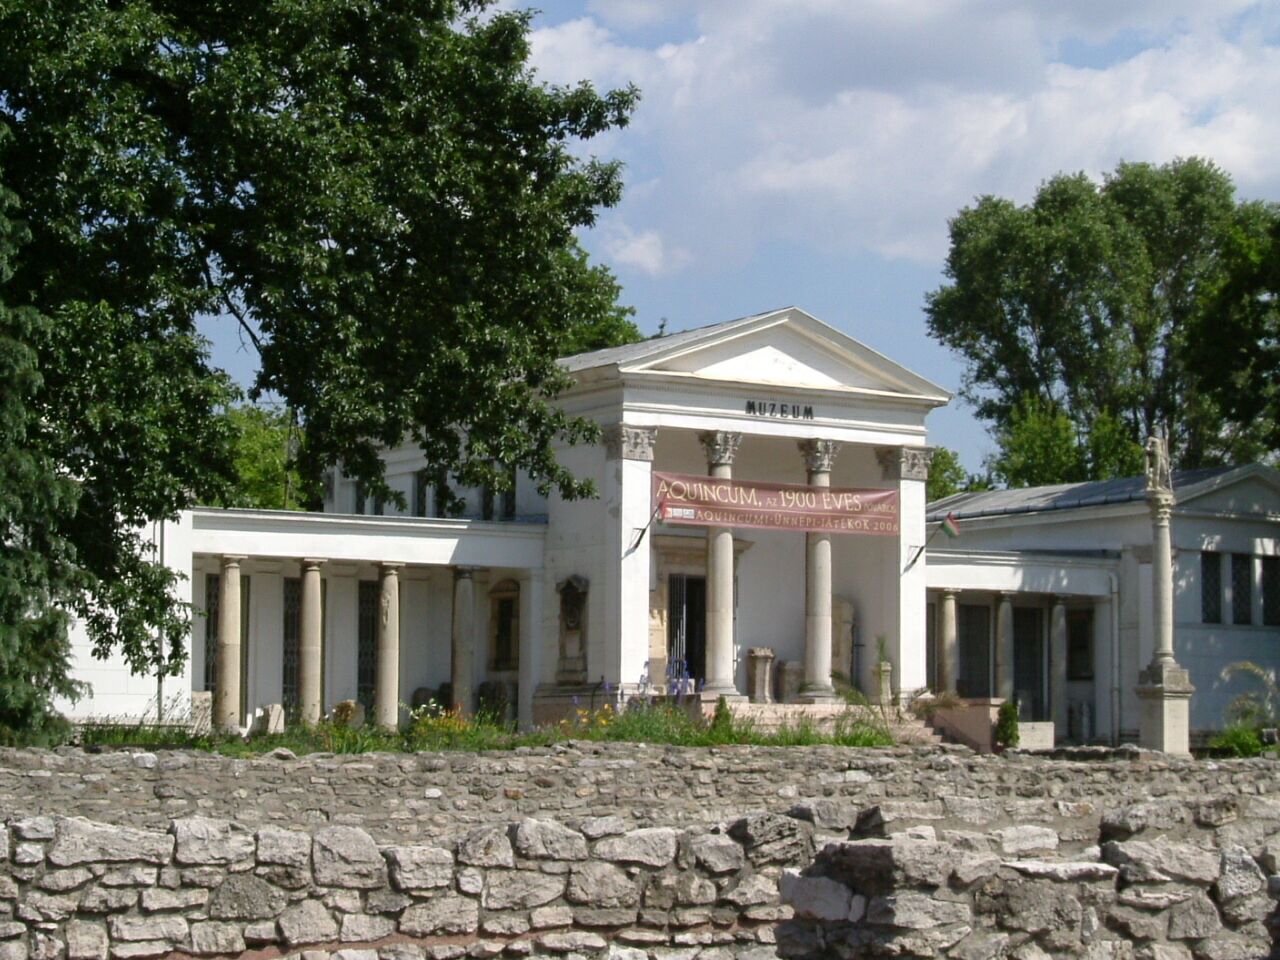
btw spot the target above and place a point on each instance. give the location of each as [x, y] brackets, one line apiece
[633, 352]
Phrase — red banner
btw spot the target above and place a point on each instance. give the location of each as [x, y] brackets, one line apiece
[707, 501]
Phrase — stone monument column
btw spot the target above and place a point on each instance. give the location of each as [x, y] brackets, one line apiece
[948, 642]
[819, 457]
[310, 645]
[386, 685]
[1004, 647]
[226, 696]
[1058, 667]
[1164, 688]
[721, 446]
[463, 637]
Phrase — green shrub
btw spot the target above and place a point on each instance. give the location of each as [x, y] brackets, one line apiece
[1006, 732]
[1238, 740]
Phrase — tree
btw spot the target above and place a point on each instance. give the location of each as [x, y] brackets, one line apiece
[266, 478]
[1081, 304]
[380, 196]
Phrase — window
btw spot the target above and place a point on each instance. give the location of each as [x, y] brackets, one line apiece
[1241, 588]
[292, 634]
[367, 643]
[1271, 591]
[1210, 586]
[420, 485]
[1079, 644]
[379, 505]
[358, 506]
[973, 673]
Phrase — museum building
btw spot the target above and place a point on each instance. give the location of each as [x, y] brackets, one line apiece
[760, 532]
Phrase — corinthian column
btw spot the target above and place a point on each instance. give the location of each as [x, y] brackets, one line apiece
[721, 447]
[819, 456]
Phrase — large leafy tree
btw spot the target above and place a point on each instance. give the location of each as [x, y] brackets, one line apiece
[1074, 313]
[380, 195]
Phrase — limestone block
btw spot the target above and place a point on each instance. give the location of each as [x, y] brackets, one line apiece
[545, 917]
[548, 840]
[81, 841]
[385, 901]
[201, 712]
[289, 848]
[521, 889]
[360, 927]
[307, 922]
[505, 924]
[1026, 838]
[33, 828]
[1142, 861]
[264, 931]
[11, 928]
[486, 847]
[882, 866]
[86, 941]
[816, 898]
[200, 841]
[400, 951]
[419, 868]
[242, 896]
[347, 857]
[60, 881]
[753, 890]
[28, 854]
[980, 945]
[442, 914]
[773, 838]
[140, 949]
[717, 853]
[268, 719]
[601, 885]
[914, 911]
[158, 899]
[355, 954]
[170, 929]
[1040, 906]
[39, 906]
[131, 875]
[1240, 876]
[212, 937]
[573, 941]
[96, 899]
[652, 846]
[596, 827]
[1138, 924]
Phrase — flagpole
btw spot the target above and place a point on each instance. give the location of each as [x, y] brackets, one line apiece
[941, 525]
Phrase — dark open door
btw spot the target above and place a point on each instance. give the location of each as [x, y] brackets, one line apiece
[1028, 663]
[687, 627]
[973, 679]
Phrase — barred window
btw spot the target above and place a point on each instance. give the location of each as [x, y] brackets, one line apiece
[1241, 588]
[1271, 591]
[1079, 644]
[1211, 586]
[367, 642]
[420, 493]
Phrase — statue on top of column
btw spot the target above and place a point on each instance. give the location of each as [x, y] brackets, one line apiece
[1159, 480]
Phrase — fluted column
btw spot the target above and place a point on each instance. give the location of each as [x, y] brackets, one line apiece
[1058, 666]
[226, 708]
[721, 447]
[386, 686]
[311, 645]
[948, 651]
[1004, 647]
[819, 457]
[463, 637]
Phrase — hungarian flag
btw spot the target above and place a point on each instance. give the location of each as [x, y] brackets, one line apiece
[950, 527]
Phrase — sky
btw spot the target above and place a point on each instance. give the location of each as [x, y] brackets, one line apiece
[811, 152]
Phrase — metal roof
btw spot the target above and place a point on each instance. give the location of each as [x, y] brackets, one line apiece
[1062, 496]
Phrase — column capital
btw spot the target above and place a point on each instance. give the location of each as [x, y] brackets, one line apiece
[312, 563]
[626, 442]
[390, 565]
[1007, 596]
[1160, 503]
[949, 593]
[1061, 599]
[720, 445]
[819, 455]
[464, 573]
[231, 559]
[905, 463]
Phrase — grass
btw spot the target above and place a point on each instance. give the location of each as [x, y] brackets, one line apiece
[434, 730]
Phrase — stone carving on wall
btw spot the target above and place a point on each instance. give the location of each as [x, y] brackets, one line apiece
[905, 463]
[819, 455]
[572, 667]
[720, 445]
[623, 442]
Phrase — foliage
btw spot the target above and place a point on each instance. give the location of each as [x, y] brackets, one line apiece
[1006, 731]
[380, 197]
[946, 475]
[1255, 708]
[265, 476]
[924, 707]
[1238, 740]
[1076, 315]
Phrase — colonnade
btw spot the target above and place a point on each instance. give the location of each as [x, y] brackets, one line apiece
[227, 713]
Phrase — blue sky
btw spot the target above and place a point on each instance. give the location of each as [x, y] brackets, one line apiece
[810, 152]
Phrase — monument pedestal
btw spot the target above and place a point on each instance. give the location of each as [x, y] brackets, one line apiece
[1164, 692]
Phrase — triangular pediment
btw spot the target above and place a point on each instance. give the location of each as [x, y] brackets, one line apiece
[787, 348]
[1252, 489]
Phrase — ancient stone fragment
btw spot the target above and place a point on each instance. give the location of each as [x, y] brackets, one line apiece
[86, 941]
[770, 838]
[486, 847]
[914, 911]
[443, 914]
[548, 840]
[419, 868]
[201, 841]
[521, 889]
[347, 857]
[653, 846]
[717, 853]
[307, 922]
[601, 885]
[360, 927]
[1142, 861]
[81, 841]
[212, 937]
[815, 898]
[242, 896]
[289, 848]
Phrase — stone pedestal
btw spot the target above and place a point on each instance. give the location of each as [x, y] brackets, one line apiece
[1164, 693]
[884, 683]
[760, 674]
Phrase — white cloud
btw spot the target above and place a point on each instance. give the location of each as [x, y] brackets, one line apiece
[864, 126]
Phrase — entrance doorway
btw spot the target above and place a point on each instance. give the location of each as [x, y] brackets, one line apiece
[1028, 663]
[687, 627]
[973, 676]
